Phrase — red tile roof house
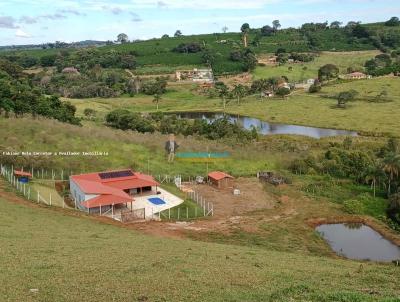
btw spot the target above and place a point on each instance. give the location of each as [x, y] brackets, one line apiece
[104, 191]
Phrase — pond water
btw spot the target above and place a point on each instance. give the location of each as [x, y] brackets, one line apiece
[359, 242]
[267, 128]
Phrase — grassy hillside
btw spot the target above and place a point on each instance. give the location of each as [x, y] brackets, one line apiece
[144, 152]
[78, 259]
[158, 52]
[300, 108]
[304, 71]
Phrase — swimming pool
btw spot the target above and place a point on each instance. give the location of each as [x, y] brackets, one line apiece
[156, 200]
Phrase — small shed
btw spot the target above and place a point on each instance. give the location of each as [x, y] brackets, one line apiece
[22, 176]
[221, 180]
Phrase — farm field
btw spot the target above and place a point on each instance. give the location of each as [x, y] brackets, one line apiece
[300, 108]
[304, 71]
[163, 267]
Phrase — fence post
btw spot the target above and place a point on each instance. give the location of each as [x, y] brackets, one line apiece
[187, 213]
[50, 198]
[195, 212]
[169, 213]
[38, 197]
[179, 213]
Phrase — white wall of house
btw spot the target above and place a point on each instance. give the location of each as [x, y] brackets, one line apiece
[78, 195]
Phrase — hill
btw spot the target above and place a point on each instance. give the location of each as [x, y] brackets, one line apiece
[311, 37]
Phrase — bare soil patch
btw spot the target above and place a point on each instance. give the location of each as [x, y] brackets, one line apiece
[252, 197]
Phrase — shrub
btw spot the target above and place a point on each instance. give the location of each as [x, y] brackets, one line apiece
[353, 206]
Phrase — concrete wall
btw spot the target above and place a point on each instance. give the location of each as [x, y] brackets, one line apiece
[78, 195]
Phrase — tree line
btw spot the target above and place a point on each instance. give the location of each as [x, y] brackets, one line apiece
[18, 96]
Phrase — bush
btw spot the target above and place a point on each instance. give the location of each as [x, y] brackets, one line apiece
[314, 88]
[188, 48]
[354, 206]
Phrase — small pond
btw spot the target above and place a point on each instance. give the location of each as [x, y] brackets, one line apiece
[267, 128]
[358, 241]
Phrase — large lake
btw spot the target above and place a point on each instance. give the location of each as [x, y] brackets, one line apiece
[267, 128]
[359, 242]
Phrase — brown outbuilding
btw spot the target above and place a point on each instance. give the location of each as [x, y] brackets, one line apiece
[221, 180]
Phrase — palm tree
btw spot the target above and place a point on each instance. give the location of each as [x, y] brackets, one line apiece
[374, 174]
[245, 29]
[239, 91]
[157, 99]
[391, 166]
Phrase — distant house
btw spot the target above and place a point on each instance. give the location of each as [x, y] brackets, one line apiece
[267, 94]
[22, 176]
[102, 191]
[221, 180]
[305, 85]
[284, 85]
[356, 76]
[203, 75]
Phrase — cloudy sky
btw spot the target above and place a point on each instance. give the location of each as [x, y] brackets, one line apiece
[38, 21]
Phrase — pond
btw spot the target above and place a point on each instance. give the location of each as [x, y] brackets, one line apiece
[267, 128]
[358, 241]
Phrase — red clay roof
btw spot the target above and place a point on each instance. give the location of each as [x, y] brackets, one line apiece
[111, 189]
[217, 175]
[105, 200]
[22, 173]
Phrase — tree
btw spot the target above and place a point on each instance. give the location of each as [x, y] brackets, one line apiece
[225, 29]
[178, 33]
[245, 29]
[391, 166]
[393, 210]
[394, 21]
[239, 91]
[48, 60]
[283, 91]
[328, 72]
[276, 24]
[345, 96]
[335, 24]
[267, 30]
[157, 99]
[165, 36]
[223, 92]
[373, 175]
[122, 38]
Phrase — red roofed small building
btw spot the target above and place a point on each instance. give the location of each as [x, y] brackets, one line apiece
[100, 192]
[22, 176]
[221, 180]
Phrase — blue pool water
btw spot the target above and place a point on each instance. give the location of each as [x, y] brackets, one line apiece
[157, 201]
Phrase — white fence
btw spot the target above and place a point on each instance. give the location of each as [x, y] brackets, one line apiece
[179, 181]
[27, 190]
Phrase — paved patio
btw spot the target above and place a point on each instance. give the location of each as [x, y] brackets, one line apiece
[142, 202]
[151, 210]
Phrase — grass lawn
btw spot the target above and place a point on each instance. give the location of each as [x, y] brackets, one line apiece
[78, 259]
[301, 108]
[309, 70]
